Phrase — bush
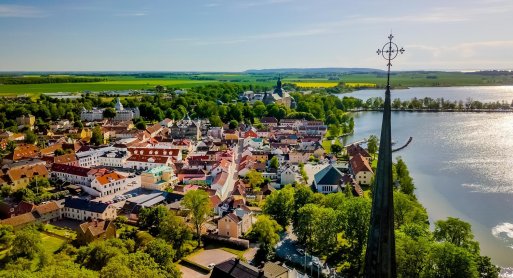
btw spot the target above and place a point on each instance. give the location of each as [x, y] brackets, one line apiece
[235, 243]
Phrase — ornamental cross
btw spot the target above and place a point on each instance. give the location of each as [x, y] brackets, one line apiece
[389, 51]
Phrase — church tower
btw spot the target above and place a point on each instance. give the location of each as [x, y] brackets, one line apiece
[278, 90]
[118, 106]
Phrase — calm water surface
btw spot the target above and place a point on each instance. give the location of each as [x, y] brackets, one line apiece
[462, 165]
[480, 93]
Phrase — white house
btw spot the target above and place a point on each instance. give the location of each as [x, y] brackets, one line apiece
[145, 162]
[289, 175]
[107, 184]
[113, 159]
[84, 210]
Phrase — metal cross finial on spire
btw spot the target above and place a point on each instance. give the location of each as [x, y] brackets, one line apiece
[380, 254]
[389, 51]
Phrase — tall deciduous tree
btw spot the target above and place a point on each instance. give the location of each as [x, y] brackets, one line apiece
[266, 231]
[198, 204]
[372, 144]
[27, 243]
[280, 205]
[109, 113]
[97, 136]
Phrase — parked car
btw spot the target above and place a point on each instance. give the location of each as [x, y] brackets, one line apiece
[301, 251]
[212, 265]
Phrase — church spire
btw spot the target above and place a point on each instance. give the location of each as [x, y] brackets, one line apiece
[380, 255]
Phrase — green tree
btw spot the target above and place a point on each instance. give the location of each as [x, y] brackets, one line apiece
[336, 148]
[6, 236]
[280, 205]
[265, 231]
[448, 260]
[274, 162]
[408, 210]
[486, 268]
[173, 229]
[136, 264]
[354, 219]
[97, 136]
[160, 251]
[233, 124]
[255, 178]
[404, 178]
[140, 125]
[198, 204]
[98, 253]
[30, 137]
[411, 254]
[457, 232]
[109, 113]
[372, 144]
[215, 120]
[150, 218]
[27, 243]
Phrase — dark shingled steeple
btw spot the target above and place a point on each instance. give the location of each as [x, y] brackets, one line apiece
[380, 258]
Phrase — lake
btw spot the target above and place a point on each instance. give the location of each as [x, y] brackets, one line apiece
[462, 163]
[480, 93]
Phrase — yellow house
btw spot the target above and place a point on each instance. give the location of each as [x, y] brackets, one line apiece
[231, 136]
[86, 133]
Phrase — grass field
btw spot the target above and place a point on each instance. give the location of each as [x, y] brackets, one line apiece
[51, 243]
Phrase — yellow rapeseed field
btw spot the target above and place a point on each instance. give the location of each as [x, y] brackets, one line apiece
[359, 85]
[316, 84]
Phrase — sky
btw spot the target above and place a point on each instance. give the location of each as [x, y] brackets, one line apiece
[236, 35]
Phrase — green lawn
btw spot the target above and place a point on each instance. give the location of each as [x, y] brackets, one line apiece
[64, 232]
[51, 243]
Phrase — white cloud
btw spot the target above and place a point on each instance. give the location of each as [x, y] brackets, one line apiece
[20, 11]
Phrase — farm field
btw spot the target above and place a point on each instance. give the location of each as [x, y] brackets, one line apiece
[137, 81]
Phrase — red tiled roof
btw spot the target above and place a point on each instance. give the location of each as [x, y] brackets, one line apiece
[65, 158]
[154, 151]
[355, 149]
[46, 208]
[28, 171]
[19, 220]
[359, 164]
[221, 178]
[108, 178]
[73, 170]
[145, 158]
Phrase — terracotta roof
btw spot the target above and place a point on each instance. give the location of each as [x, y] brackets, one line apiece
[108, 178]
[28, 171]
[65, 158]
[233, 217]
[154, 151]
[24, 151]
[154, 128]
[19, 220]
[215, 201]
[355, 149]
[46, 208]
[51, 149]
[359, 164]
[95, 227]
[221, 178]
[145, 158]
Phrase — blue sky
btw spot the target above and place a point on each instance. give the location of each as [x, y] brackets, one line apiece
[235, 35]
